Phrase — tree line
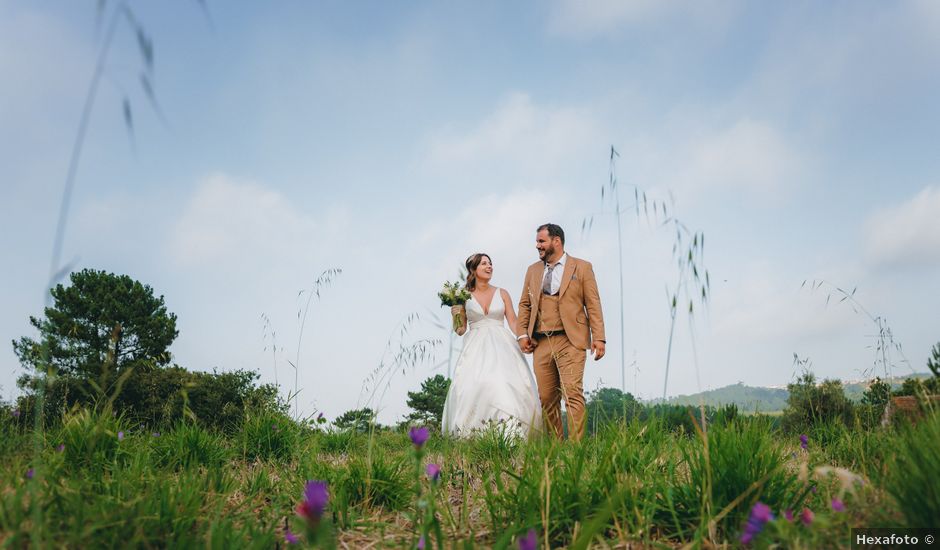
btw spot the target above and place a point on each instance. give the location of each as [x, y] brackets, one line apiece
[105, 341]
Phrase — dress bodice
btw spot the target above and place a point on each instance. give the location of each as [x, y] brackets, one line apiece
[477, 318]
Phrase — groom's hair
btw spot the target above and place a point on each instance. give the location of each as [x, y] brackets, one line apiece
[553, 231]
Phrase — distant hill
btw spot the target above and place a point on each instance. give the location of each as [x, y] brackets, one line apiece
[747, 398]
[769, 400]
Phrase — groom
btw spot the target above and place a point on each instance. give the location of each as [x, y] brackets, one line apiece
[559, 318]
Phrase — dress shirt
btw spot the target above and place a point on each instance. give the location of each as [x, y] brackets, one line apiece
[557, 273]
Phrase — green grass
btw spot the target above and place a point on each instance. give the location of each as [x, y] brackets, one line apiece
[914, 478]
[636, 483]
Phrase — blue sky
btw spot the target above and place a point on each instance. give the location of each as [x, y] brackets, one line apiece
[394, 139]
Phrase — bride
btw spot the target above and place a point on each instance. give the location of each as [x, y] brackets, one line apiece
[492, 383]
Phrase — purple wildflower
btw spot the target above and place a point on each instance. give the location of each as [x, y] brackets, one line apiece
[434, 471]
[813, 489]
[804, 441]
[291, 538]
[530, 541]
[16, 413]
[120, 436]
[30, 473]
[807, 516]
[60, 448]
[838, 505]
[419, 436]
[760, 514]
[421, 543]
[788, 514]
[316, 497]
[320, 418]
[155, 434]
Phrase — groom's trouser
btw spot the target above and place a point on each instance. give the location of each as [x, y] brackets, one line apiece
[559, 372]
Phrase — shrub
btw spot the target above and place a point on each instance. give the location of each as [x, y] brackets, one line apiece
[159, 397]
[610, 405]
[918, 386]
[92, 439]
[217, 400]
[495, 445]
[221, 399]
[340, 442]
[188, 445]
[427, 404]
[267, 435]
[357, 420]
[382, 482]
[809, 404]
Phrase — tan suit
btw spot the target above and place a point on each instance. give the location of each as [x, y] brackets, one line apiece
[563, 327]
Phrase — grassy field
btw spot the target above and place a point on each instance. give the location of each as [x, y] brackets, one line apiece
[97, 482]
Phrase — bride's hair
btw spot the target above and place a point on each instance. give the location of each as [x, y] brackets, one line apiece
[473, 262]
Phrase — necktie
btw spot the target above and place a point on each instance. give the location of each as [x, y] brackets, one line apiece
[547, 280]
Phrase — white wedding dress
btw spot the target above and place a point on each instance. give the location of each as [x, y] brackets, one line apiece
[492, 384]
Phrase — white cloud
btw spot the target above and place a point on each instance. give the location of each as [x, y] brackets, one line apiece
[519, 143]
[230, 222]
[750, 155]
[502, 225]
[604, 17]
[698, 151]
[907, 234]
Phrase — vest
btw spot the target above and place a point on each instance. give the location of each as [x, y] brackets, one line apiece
[549, 319]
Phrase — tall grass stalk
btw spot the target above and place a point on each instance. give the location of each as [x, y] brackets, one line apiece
[693, 281]
[122, 12]
[325, 279]
[885, 343]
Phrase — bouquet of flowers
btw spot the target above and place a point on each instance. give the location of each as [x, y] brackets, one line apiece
[454, 294]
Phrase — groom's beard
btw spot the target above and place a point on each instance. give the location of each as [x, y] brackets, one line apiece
[545, 253]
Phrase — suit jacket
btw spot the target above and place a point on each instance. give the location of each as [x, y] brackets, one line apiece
[578, 300]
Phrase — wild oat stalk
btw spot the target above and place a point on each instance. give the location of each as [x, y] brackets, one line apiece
[692, 281]
[324, 280]
[884, 339]
[267, 331]
[397, 356]
[122, 12]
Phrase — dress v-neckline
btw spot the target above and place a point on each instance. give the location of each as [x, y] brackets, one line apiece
[486, 310]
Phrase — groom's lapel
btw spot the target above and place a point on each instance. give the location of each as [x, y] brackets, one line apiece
[536, 283]
[566, 276]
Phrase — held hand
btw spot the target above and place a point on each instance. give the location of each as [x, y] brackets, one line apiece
[598, 348]
[526, 345]
[457, 310]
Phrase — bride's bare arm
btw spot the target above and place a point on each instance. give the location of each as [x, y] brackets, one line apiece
[510, 312]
